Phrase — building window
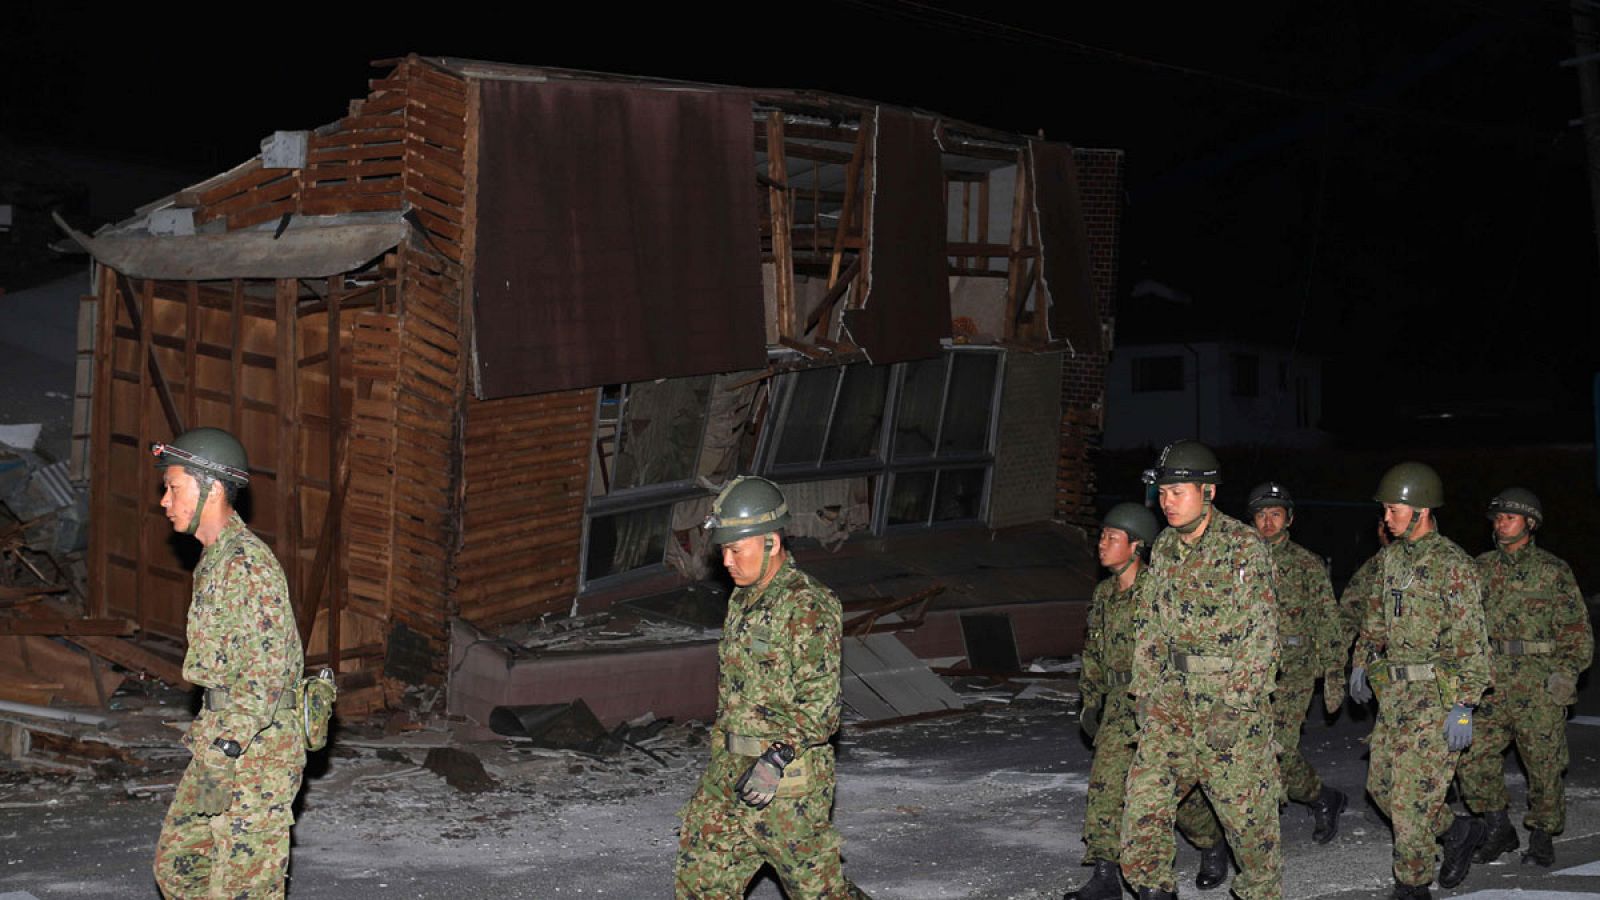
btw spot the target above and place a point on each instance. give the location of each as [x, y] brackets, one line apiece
[924, 431]
[1157, 373]
[1246, 368]
[646, 450]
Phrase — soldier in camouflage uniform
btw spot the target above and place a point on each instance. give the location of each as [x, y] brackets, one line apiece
[1313, 646]
[1128, 530]
[1424, 626]
[226, 833]
[1541, 640]
[767, 796]
[1203, 669]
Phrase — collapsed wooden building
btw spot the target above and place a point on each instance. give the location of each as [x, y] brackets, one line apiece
[493, 339]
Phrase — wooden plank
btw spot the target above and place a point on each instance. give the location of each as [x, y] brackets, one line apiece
[57, 625]
[852, 175]
[836, 291]
[100, 440]
[286, 394]
[782, 251]
[320, 564]
[270, 212]
[1019, 204]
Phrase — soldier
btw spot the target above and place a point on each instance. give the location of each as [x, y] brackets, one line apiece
[767, 795]
[1424, 626]
[1539, 631]
[1313, 646]
[1125, 536]
[1203, 669]
[226, 833]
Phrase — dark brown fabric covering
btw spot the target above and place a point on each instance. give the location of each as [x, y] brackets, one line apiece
[907, 310]
[1065, 245]
[617, 236]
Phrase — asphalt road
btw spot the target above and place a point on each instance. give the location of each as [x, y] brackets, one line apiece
[988, 805]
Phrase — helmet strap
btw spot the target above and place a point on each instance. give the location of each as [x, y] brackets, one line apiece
[1118, 570]
[1205, 512]
[200, 505]
[1411, 527]
[1508, 542]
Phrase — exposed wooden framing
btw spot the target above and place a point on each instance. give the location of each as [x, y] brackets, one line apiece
[966, 213]
[57, 625]
[824, 308]
[765, 143]
[144, 486]
[132, 656]
[236, 364]
[191, 340]
[803, 347]
[852, 175]
[862, 283]
[321, 564]
[140, 318]
[782, 251]
[287, 388]
[338, 476]
[1020, 205]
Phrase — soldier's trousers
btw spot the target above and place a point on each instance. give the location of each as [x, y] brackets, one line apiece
[243, 853]
[1409, 770]
[722, 842]
[1108, 782]
[1241, 782]
[1289, 704]
[1528, 718]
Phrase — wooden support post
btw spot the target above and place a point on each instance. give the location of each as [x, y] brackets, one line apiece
[966, 214]
[825, 307]
[338, 473]
[236, 363]
[191, 348]
[321, 564]
[287, 464]
[869, 186]
[852, 174]
[782, 236]
[1019, 223]
[139, 310]
[143, 486]
[100, 443]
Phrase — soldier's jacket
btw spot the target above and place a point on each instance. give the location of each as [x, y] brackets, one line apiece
[1428, 609]
[1309, 623]
[1358, 594]
[1531, 595]
[242, 637]
[1108, 647]
[779, 659]
[1214, 598]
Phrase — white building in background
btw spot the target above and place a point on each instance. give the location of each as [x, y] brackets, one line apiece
[1222, 392]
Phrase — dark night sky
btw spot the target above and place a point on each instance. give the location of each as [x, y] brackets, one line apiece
[1396, 183]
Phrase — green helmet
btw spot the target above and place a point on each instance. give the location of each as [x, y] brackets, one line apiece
[747, 506]
[1185, 462]
[1136, 520]
[209, 450]
[1270, 493]
[1520, 502]
[1412, 483]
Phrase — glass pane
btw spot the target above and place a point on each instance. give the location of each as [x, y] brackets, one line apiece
[858, 419]
[909, 500]
[662, 423]
[959, 495]
[917, 418]
[626, 541]
[806, 421]
[971, 401]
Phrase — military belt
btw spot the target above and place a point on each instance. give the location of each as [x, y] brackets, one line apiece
[1193, 664]
[1423, 672]
[1523, 648]
[1292, 640]
[744, 745]
[1117, 679]
[217, 699]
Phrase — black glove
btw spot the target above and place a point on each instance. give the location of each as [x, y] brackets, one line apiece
[1458, 728]
[759, 783]
[1090, 720]
[1360, 691]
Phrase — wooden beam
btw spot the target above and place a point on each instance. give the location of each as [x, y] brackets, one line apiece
[798, 150]
[158, 379]
[287, 397]
[852, 174]
[132, 656]
[807, 349]
[840, 286]
[1019, 224]
[56, 625]
[860, 285]
[306, 616]
[782, 249]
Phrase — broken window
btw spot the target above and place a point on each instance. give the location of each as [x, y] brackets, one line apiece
[648, 437]
[831, 416]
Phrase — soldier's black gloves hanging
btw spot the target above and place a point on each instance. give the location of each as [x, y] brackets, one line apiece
[759, 783]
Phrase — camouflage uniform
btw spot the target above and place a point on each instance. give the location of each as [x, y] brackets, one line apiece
[1358, 594]
[779, 681]
[244, 647]
[1206, 652]
[1538, 624]
[1313, 643]
[1424, 626]
[1107, 668]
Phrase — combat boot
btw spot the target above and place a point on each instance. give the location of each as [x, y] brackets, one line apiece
[1157, 894]
[1502, 837]
[1325, 812]
[1541, 852]
[1213, 866]
[1465, 835]
[1411, 892]
[1105, 885]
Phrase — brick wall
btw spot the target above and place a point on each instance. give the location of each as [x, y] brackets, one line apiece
[1028, 449]
[1083, 376]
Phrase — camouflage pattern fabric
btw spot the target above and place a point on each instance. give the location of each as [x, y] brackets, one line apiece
[242, 640]
[1213, 599]
[778, 681]
[1529, 595]
[1427, 610]
[1310, 618]
[1358, 594]
[1108, 649]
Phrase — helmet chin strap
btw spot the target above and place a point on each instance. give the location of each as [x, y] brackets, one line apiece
[766, 560]
[1205, 510]
[1513, 539]
[1416, 516]
[1118, 570]
[205, 491]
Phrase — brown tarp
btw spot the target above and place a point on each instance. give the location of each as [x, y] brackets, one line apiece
[617, 236]
[1064, 242]
[907, 309]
